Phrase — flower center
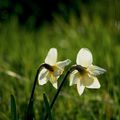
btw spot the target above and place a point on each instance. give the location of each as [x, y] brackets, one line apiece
[82, 70]
[56, 72]
[55, 68]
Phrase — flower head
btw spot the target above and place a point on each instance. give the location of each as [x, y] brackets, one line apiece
[58, 68]
[86, 77]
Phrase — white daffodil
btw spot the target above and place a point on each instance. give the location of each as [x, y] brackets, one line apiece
[58, 68]
[87, 76]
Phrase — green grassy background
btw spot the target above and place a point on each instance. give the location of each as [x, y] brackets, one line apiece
[22, 51]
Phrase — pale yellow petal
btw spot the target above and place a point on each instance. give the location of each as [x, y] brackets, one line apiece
[42, 73]
[51, 57]
[42, 82]
[53, 81]
[80, 88]
[86, 80]
[60, 67]
[55, 85]
[57, 71]
[62, 64]
[95, 84]
[95, 70]
[84, 57]
[42, 77]
[73, 78]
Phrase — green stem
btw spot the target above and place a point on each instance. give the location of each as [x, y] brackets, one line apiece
[29, 114]
[76, 67]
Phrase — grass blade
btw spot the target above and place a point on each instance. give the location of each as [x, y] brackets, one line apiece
[30, 112]
[47, 106]
[13, 109]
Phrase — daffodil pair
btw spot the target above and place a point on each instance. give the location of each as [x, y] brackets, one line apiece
[86, 77]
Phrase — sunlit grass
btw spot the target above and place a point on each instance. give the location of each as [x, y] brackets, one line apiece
[22, 51]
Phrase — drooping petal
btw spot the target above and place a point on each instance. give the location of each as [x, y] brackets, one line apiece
[55, 85]
[84, 57]
[95, 70]
[51, 57]
[59, 68]
[73, 78]
[80, 88]
[62, 64]
[42, 82]
[95, 84]
[53, 80]
[42, 77]
[87, 80]
[58, 72]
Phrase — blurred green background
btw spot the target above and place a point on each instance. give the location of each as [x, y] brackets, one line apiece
[28, 29]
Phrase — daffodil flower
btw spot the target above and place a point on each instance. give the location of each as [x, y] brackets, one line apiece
[86, 77]
[58, 68]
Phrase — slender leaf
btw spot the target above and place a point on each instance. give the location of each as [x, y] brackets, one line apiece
[13, 109]
[47, 106]
[30, 112]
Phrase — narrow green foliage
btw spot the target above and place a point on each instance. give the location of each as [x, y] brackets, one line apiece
[30, 112]
[13, 109]
[22, 51]
[47, 107]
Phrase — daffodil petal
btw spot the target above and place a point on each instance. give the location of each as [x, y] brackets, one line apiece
[62, 64]
[60, 67]
[84, 57]
[87, 80]
[42, 82]
[42, 73]
[95, 84]
[80, 88]
[73, 78]
[42, 77]
[58, 72]
[95, 70]
[53, 80]
[55, 85]
[51, 57]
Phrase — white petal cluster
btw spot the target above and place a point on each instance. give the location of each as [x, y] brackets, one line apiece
[87, 78]
[46, 75]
